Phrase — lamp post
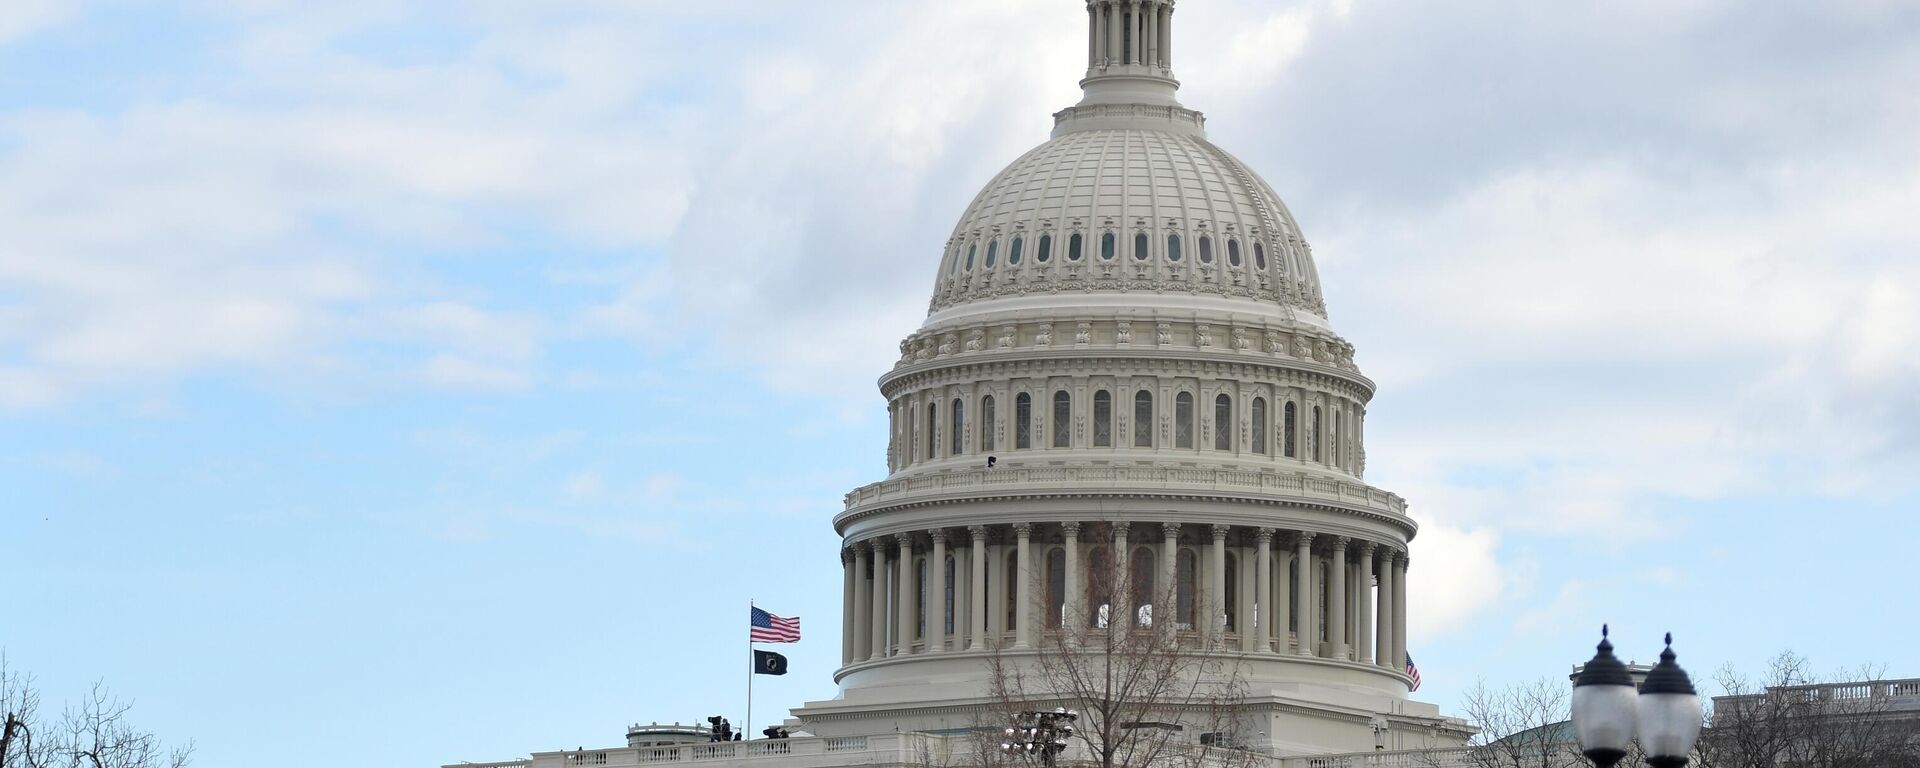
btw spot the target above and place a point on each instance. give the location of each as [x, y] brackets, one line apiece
[1607, 712]
[1039, 733]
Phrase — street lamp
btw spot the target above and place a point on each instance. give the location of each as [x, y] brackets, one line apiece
[1606, 712]
[1040, 733]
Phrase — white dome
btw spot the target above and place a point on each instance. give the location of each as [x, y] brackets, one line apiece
[1119, 178]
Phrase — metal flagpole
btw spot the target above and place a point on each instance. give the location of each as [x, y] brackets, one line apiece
[750, 669]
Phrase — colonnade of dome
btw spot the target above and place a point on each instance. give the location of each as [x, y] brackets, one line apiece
[1234, 588]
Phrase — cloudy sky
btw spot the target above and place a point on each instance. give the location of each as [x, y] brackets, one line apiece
[407, 384]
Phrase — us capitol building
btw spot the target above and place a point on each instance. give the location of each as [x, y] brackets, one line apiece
[1127, 365]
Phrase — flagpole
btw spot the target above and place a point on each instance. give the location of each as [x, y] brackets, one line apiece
[749, 669]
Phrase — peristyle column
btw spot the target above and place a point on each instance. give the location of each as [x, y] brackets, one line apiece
[906, 598]
[877, 618]
[1337, 600]
[1363, 637]
[1075, 600]
[937, 593]
[1166, 593]
[862, 608]
[977, 589]
[1023, 588]
[1122, 612]
[1400, 563]
[1263, 590]
[1383, 634]
[1303, 592]
[848, 604]
[1216, 603]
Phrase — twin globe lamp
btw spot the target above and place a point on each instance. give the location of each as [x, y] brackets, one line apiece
[1608, 713]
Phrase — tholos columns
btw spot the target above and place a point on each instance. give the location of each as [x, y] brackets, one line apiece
[1075, 602]
[1303, 593]
[1116, 16]
[905, 597]
[1214, 628]
[937, 592]
[977, 589]
[862, 604]
[1337, 600]
[1263, 591]
[1023, 586]
[1152, 44]
[1363, 637]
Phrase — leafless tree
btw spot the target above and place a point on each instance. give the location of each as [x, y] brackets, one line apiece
[1143, 688]
[1784, 719]
[1522, 726]
[92, 733]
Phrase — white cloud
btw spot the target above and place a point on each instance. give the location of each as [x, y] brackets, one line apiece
[20, 18]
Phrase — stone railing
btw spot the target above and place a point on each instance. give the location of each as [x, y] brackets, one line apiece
[1901, 694]
[1459, 757]
[885, 750]
[1301, 485]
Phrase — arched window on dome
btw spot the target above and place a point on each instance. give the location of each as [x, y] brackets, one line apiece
[1103, 419]
[1173, 247]
[1062, 419]
[1100, 578]
[1233, 251]
[1056, 589]
[1313, 435]
[1230, 600]
[1140, 578]
[1222, 422]
[1259, 256]
[1288, 422]
[1186, 570]
[956, 429]
[1258, 414]
[1106, 247]
[970, 249]
[993, 250]
[953, 260]
[933, 423]
[1140, 251]
[1073, 247]
[1023, 420]
[1143, 419]
[988, 423]
[1010, 594]
[1013, 252]
[1183, 420]
[1206, 249]
[1045, 251]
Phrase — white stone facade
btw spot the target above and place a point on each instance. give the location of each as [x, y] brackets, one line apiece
[1127, 355]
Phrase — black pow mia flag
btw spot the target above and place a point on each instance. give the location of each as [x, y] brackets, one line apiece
[769, 663]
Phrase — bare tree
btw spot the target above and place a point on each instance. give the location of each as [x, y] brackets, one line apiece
[1524, 725]
[1143, 685]
[93, 733]
[1785, 719]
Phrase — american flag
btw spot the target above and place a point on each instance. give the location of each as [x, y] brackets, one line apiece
[1413, 672]
[768, 628]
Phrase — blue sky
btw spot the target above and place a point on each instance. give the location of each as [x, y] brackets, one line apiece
[414, 383]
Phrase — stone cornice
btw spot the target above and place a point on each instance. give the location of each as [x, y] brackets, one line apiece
[1125, 364]
[1301, 490]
